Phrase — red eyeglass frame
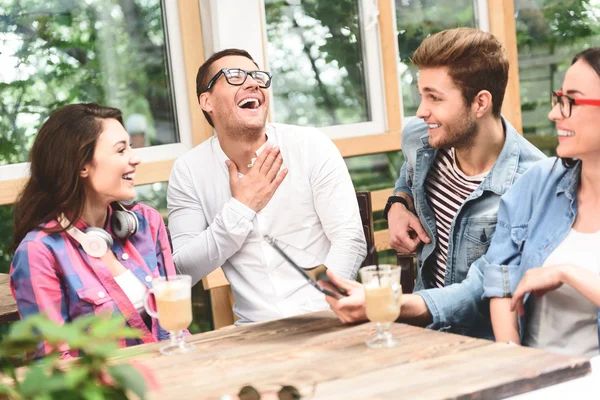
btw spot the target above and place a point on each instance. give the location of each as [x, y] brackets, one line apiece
[589, 102]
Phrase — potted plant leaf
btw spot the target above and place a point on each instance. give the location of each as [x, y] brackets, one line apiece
[89, 376]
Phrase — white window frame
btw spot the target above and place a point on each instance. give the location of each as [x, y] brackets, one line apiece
[160, 152]
[242, 24]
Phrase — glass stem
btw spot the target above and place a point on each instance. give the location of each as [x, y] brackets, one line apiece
[177, 339]
[380, 329]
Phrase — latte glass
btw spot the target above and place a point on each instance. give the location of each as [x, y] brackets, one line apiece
[383, 294]
[173, 299]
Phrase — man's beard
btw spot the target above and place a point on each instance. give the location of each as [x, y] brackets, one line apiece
[459, 134]
[244, 133]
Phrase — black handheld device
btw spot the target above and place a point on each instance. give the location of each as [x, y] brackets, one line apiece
[306, 276]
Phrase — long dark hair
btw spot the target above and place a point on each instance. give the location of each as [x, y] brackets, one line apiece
[64, 144]
[591, 57]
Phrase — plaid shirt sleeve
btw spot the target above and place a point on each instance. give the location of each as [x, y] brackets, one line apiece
[36, 286]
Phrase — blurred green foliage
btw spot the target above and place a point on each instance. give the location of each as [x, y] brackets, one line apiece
[86, 378]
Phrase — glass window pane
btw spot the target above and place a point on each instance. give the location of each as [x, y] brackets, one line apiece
[417, 19]
[375, 171]
[549, 34]
[315, 54]
[112, 52]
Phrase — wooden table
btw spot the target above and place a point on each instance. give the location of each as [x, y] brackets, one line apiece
[8, 306]
[326, 360]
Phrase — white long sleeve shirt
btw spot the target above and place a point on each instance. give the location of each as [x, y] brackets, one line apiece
[313, 215]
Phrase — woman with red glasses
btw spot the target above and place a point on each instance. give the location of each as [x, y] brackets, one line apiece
[547, 240]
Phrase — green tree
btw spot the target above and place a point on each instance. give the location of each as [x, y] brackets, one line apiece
[325, 37]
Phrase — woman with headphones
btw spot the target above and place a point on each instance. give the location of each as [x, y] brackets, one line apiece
[78, 250]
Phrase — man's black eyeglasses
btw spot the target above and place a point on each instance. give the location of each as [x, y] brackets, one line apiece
[566, 102]
[237, 77]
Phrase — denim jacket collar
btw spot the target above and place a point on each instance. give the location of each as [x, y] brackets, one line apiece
[502, 174]
[570, 182]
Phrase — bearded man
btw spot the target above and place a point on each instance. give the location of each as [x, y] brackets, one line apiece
[461, 156]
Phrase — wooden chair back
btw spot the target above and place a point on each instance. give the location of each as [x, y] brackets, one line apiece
[220, 298]
[366, 216]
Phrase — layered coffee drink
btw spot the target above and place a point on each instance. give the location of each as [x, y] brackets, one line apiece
[174, 306]
[173, 299]
[383, 303]
[383, 298]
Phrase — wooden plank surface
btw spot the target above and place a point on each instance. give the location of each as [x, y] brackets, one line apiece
[327, 360]
[8, 306]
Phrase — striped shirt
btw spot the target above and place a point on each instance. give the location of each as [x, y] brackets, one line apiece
[50, 273]
[447, 188]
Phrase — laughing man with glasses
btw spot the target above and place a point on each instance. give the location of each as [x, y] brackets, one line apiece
[254, 179]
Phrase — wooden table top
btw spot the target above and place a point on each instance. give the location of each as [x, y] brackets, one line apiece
[327, 360]
[8, 306]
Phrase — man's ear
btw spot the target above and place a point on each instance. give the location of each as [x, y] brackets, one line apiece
[482, 103]
[205, 102]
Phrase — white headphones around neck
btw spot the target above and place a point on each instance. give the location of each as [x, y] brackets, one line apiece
[96, 241]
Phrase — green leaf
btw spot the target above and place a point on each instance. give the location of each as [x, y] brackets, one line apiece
[124, 333]
[75, 376]
[129, 378]
[84, 322]
[92, 391]
[99, 349]
[23, 329]
[37, 381]
[55, 333]
[101, 328]
[10, 392]
[14, 347]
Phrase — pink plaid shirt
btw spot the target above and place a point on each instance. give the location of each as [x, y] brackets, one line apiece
[51, 274]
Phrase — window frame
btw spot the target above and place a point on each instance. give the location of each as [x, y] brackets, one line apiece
[221, 15]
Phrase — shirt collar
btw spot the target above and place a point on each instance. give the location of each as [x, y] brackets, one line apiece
[504, 170]
[569, 183]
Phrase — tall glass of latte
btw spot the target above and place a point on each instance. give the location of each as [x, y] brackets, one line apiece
[383, 294]
[173, 298]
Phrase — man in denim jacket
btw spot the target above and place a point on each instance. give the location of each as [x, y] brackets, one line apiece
[461, 156]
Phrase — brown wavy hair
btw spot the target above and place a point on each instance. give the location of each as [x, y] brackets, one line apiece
[476, 61]
[64, 144]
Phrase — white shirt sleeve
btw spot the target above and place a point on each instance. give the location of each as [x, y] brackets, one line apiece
[200, 248]
[337, 208]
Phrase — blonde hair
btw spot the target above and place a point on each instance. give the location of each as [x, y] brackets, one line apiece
[475, 60]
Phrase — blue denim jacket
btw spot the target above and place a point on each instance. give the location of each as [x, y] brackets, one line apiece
[458, 307]
[534, 218]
